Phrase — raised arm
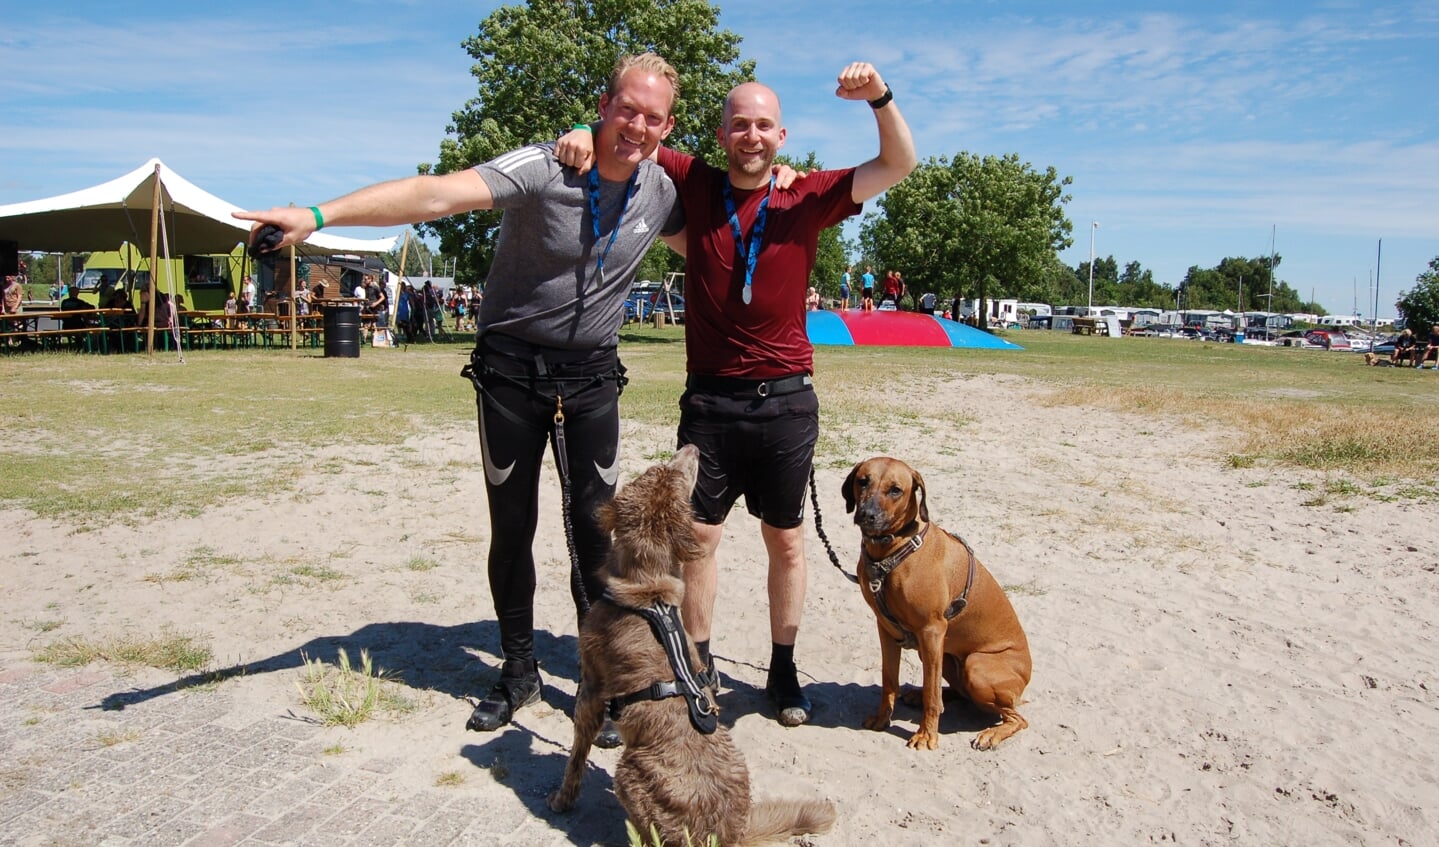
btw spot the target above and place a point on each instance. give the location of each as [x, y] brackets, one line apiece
[860, 81]
[399, 201]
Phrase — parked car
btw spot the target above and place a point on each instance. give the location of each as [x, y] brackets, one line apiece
[637, 309]
[1316, 339]
[672, 307]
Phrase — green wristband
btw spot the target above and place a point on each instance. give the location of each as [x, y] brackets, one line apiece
[319, 218]
[585, 127]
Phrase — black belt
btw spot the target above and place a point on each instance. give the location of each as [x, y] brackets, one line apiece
[736, 387]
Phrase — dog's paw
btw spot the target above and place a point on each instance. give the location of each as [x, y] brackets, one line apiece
[561, 801]
[879, 721]
[923, 740]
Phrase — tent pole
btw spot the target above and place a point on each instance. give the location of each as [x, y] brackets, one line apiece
[154, 249]
[394, 307]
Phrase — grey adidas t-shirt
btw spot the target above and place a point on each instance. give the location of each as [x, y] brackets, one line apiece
[543, 287]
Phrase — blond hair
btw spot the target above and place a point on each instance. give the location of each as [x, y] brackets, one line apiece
[648, 63]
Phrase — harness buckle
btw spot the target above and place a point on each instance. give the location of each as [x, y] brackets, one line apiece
[762, 389]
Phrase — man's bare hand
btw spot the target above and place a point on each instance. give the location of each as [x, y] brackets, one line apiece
[860, 81]
[785, 176]
[576, 149]
[297, 223]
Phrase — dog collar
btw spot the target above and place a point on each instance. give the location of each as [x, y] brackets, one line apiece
[878, 570]
[886, 540]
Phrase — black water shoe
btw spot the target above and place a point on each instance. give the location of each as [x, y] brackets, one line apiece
[519, 686]
[792, 708]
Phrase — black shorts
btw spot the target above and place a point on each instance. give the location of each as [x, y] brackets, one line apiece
[761, 447]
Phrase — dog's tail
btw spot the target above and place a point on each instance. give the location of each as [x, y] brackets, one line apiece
[777, 820]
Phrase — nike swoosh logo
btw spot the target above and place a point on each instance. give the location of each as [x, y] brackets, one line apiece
[494, 475]
[611, 474]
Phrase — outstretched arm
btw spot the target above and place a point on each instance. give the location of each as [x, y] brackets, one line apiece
[400, 201]
[860, 81]
[576, 149]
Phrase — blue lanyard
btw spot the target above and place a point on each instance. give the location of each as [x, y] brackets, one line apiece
[749, 254]
[595, 216]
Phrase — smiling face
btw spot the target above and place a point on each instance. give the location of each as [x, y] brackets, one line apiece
[751, 134]
[636, 118]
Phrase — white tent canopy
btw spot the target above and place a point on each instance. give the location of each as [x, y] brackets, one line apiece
[103, 216]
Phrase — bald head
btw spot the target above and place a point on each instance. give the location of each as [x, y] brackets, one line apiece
[751, 134]
[752, 98]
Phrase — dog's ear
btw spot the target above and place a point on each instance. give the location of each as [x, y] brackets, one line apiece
[921, 496]
[848, 489]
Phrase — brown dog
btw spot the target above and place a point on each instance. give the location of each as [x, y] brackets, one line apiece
[929, 592]
[672, 777]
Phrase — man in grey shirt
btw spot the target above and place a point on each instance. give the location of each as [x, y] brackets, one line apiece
[545, 351]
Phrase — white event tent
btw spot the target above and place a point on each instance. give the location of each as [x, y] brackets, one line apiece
[122, 210]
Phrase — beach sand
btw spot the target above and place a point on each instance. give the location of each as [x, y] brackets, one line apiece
[1222, 655]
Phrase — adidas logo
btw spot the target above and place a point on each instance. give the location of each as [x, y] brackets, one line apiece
[641, 228]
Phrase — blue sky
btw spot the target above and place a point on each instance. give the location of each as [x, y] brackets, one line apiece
[1192, 131]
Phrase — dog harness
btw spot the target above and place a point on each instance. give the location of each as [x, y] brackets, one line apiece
[664, 621]
[878, 571]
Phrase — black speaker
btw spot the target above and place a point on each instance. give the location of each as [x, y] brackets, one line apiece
[9, 258]
[77, 265]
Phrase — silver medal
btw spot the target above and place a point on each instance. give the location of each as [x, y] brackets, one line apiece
[747, 295]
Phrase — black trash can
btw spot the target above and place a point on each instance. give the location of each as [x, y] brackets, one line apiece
[342, 331]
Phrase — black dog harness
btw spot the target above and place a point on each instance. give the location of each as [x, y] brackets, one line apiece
[878, 571]
[664, 621]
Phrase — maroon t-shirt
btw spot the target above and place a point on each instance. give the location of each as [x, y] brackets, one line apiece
[766, 338]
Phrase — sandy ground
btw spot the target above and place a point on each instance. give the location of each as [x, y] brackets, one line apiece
[1221, 655]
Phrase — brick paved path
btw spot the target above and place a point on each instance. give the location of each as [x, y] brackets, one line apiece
[193, 768]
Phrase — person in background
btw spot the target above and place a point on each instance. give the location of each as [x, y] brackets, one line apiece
[1431, 349]
[811, 300]
[1404, 348]
[844, 288]
[79, 315]
[249, 296]
[12, 297]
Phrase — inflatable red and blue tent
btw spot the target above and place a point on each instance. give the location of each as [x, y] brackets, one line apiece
[898, 329]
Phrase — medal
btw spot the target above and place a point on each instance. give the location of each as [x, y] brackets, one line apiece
[749, 254]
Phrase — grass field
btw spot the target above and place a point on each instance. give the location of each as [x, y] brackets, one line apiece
[94, 436]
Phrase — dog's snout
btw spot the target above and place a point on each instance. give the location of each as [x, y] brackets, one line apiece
[869, 514]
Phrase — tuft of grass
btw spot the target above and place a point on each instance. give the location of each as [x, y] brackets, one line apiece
[421, 564]
[172, 651]
[111, 737]
[345, 695]
[335, 749]
[636, 840]
[1031, 588]
[1238, 461]
[449, 779]
[319, 573]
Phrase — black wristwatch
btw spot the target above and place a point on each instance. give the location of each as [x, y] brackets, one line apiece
[882, 100]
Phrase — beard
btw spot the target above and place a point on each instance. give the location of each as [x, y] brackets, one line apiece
[755, 166]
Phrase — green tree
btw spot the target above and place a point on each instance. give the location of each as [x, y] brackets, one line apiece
[1218, 288]
[1419, 306]
[973, 226]
[541, 67]
[419, 258]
